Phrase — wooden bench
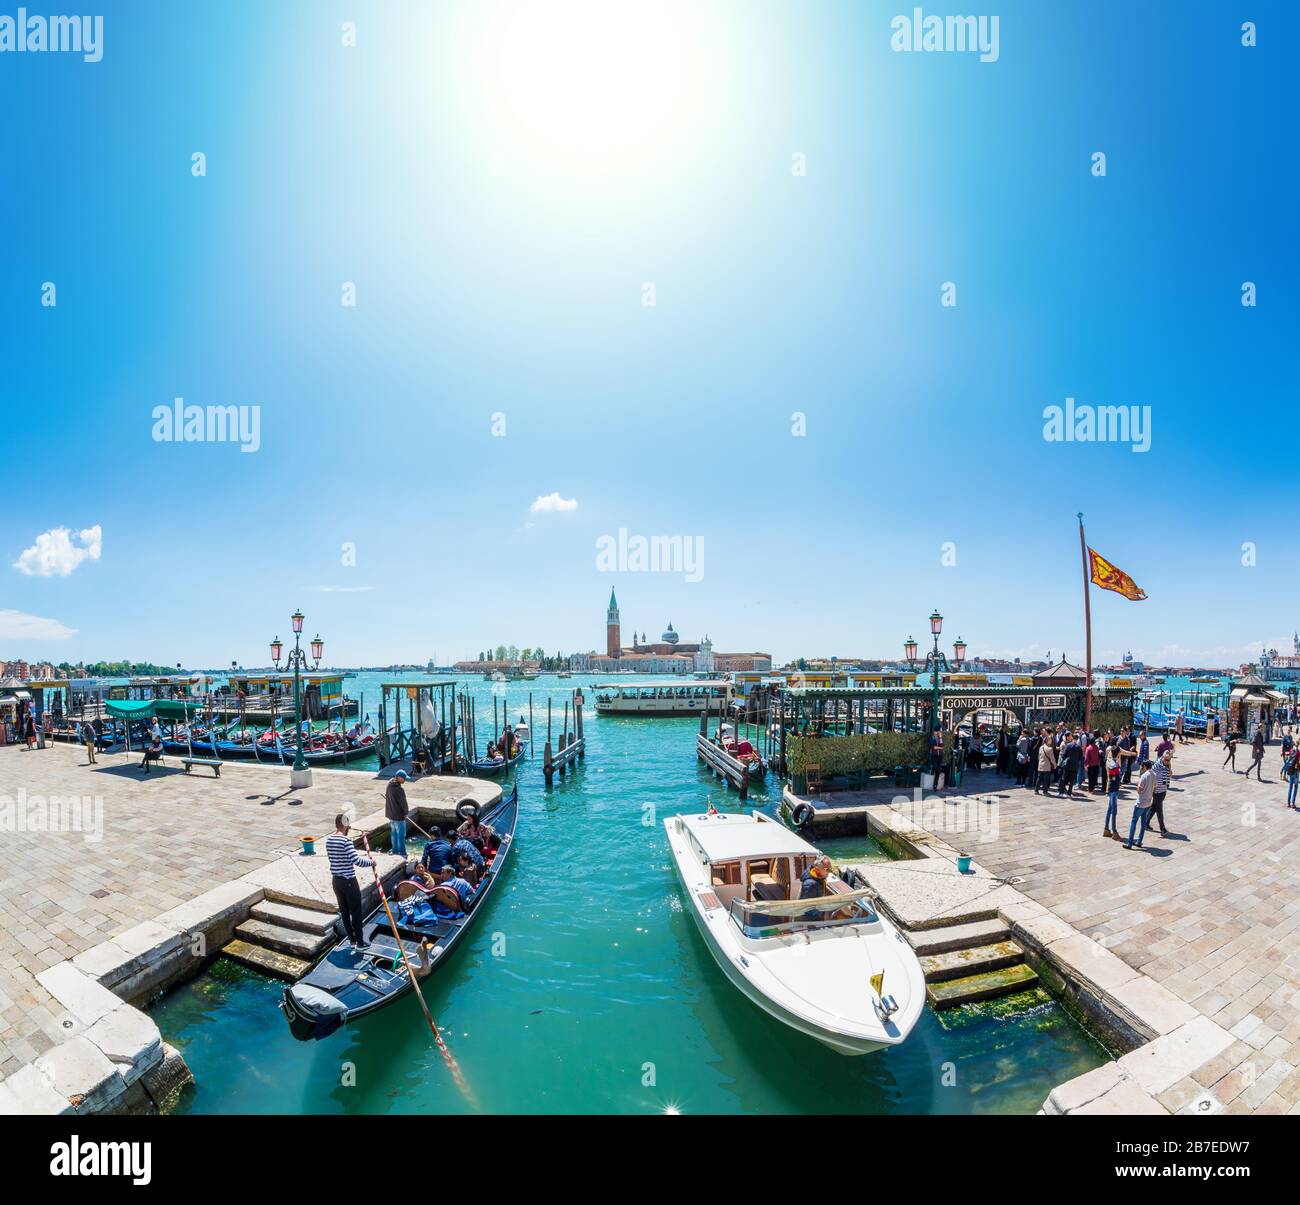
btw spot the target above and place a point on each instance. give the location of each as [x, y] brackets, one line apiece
[187, 762]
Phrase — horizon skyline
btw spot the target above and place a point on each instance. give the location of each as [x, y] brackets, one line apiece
[1100, 656]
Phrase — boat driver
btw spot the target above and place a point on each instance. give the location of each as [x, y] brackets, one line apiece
[813, 885]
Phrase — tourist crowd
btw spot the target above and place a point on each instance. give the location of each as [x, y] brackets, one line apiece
[1066, 760]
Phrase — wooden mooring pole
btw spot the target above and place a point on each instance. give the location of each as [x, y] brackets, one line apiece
[578, 702]
[564, 739]
[548, 769]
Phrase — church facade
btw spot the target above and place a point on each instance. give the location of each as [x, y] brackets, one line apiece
[670, 654]
[1277, 667]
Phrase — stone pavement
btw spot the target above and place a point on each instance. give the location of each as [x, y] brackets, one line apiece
[1211, 913]
[164, 838]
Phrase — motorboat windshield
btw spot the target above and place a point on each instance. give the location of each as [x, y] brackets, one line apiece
[775, 918]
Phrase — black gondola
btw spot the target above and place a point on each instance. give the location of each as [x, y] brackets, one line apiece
[490, 767]
[345, 985]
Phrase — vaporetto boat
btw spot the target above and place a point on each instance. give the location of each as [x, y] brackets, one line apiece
[832, 967]
[683, 696]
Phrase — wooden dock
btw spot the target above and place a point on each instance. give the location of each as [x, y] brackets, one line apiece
[572, 746]
[726, 767]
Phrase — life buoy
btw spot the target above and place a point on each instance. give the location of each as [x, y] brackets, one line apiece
[468, 810]
[802, 815]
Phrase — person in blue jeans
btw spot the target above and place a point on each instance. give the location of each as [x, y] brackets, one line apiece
[1142, 807]
[1112, 796]
[1291, 767]
[396, 809]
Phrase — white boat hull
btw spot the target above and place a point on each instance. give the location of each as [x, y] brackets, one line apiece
[657, 707]
[837, 1042]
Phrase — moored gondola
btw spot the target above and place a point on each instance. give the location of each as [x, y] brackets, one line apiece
[490, 767]
[346, 985]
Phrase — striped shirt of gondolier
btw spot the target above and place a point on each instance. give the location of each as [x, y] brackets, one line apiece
[343, 856]
[1162, 776]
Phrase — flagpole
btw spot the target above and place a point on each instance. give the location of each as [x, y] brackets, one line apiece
[1087, 628]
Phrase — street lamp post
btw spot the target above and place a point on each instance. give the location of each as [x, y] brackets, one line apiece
[298, 660]
[935, 663]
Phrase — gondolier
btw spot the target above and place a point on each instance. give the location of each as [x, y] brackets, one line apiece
[344, 860]
[347, 982]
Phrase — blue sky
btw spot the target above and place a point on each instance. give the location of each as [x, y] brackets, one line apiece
[500, 181]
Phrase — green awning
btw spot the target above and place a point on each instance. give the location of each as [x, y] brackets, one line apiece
[130, 709]
[175, 709]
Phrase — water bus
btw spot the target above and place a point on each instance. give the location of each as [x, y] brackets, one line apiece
[679, 697]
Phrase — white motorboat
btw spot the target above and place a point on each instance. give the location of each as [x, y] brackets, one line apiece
[831, 967]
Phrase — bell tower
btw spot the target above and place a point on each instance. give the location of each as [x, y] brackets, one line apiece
[613, 641]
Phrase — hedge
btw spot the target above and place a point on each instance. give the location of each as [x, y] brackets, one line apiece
[1114, 718]
[869, 752]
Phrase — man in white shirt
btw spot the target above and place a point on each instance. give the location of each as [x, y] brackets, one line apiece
[1141, 807]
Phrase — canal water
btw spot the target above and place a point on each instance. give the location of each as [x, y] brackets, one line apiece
[585, 988]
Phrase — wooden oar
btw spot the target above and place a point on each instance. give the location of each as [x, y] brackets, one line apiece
[417, 828]
[447, 1056]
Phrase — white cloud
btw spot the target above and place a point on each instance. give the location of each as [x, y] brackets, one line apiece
[55, 554]
[15, 625]
[553, 502]
[341, 589]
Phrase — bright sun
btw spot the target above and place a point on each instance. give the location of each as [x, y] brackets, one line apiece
[596, 87]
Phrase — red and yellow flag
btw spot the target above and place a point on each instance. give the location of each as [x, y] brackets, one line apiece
[1105, 575]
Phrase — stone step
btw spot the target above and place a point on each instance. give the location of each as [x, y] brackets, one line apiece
[304, 901]
[269, 962]
[289, 916]
[960, 964]
[293, 942]
[954, 937]
[988, 986]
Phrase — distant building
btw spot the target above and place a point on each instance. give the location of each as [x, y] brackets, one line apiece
[613, 638]
[1278, 667]
[670, 654]
[704, 660]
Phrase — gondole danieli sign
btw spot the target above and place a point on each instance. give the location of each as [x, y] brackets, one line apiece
[991, 702]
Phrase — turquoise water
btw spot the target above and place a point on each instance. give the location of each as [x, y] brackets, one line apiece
[585, 988]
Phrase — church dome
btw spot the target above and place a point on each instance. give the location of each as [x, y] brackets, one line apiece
[669, 637]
